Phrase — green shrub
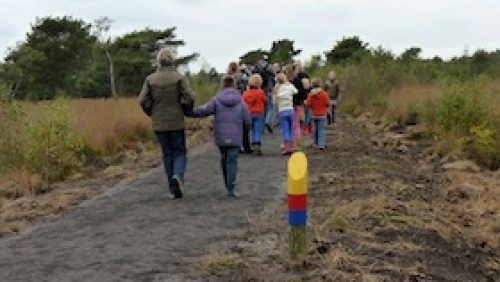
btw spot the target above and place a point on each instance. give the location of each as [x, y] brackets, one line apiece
[56, 151]
[485, 147]
[460, 108]
[13, 137]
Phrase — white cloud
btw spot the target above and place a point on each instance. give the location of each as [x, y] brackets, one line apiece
[222, 30]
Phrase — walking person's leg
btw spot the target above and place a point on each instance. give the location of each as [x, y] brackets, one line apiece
[316, 136]
[257, 129]
[178, 144]
[223, 157]
[231, 170]
[296, 130]
[246, 141]
[321, 124]
[334, 113]
[287, 128]
[168, 159]
[269, 113]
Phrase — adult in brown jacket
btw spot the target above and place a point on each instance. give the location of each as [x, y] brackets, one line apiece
[333, 89]
[164, 97]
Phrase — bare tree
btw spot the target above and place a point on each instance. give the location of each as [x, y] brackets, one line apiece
[102, 26]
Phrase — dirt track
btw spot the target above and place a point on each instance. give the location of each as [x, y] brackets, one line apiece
[135, 233]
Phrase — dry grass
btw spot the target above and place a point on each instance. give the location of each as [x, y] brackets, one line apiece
[20, 183]
[105, 124]
[217, 264]
[474, 205]
[405, 103]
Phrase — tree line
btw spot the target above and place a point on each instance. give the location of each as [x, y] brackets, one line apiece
[71, 57]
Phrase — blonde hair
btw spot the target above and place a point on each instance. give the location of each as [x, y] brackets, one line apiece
[255, 81]
[289, 72]
[281, 78]
[332, 75]
[316, 82]
[166, 57]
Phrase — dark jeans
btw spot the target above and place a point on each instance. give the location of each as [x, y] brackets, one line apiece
[173, 147]
[229, 165]
[246, 140]
[332, 116]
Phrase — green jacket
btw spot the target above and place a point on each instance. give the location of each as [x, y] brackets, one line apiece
[161, 97]
[333, 89]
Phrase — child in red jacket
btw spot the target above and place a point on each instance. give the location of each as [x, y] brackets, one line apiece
[256, 100]
[319, 104]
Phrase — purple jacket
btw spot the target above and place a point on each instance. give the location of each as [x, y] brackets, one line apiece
[231, 115]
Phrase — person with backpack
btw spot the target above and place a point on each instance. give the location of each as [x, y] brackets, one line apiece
[266, 71]
[319, 103]
[166, 97]
[256, 100]
[231, 118]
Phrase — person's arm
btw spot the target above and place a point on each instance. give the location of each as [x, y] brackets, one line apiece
[263, 96]
[308, 101]
[145, 99]
[294, 89]
[185, 91]
[326, 100]
[204, 110]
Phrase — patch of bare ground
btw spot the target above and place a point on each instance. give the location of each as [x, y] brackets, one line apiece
[25, 200]
[382, 207]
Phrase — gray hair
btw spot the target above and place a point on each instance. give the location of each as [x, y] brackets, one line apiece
[166, 57]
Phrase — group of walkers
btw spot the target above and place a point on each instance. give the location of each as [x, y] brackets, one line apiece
[251, 100]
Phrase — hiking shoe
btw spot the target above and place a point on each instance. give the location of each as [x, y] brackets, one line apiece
[176, 187]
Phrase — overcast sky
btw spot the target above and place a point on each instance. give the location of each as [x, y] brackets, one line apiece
[222, 30]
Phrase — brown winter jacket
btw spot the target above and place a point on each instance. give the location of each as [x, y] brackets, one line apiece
[161, 97]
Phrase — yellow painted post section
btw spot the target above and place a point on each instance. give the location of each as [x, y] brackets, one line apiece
[297, 174]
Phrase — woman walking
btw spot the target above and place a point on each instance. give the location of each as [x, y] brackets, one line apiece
[164, 97]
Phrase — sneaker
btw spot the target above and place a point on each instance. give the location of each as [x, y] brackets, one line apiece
[176, 187]
[256, 150]
[233, 195]
[269, 128]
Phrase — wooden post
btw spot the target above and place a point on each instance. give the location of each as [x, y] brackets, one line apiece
[297, 204]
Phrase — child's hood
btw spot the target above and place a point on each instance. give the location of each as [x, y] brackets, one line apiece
[229, 97]
[316, 91]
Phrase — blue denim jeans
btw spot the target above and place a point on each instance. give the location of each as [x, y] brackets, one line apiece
[173, 147]
[269, 113]
[257, 128]
[319, 131]
[307, 116]
[229, 165]
[286, 124]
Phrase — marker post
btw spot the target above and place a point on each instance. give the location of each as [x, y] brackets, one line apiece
[297, 204]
